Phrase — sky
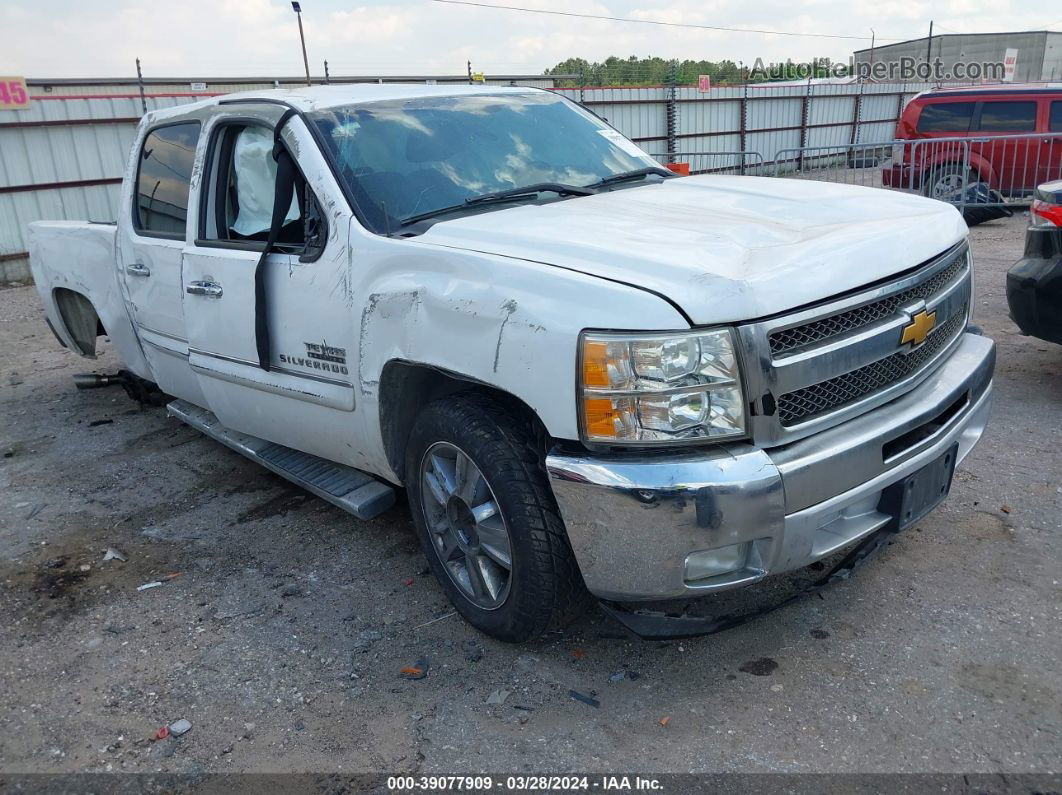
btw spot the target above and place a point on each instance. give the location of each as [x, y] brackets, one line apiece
[239, 38]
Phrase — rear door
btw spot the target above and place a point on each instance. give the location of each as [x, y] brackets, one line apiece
[1012, 149]
[151, 243]
[306, 400]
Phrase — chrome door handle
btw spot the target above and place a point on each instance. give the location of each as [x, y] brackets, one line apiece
[138, 269]
[211, 289]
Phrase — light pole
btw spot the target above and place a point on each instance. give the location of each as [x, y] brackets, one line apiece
[870, 70]
[298, 13]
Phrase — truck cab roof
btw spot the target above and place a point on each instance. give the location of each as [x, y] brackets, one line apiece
[313, 98]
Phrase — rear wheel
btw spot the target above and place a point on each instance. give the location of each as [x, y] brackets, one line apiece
[487, 519]
[947, 180]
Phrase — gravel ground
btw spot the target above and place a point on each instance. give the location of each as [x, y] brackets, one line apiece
[282, 624]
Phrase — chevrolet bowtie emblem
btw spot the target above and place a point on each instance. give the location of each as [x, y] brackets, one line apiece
[918, 329]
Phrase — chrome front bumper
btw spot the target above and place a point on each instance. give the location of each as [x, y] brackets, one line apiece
[634, 521]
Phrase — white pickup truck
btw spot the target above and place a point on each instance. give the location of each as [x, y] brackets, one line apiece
[592, 377]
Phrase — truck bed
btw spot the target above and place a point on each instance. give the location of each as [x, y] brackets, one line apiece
[75, 269]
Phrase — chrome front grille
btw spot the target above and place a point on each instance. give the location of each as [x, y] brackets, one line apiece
[794, 339]
[802, 404]
[823, 365]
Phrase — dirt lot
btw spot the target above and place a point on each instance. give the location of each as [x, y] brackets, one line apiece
[282, 623]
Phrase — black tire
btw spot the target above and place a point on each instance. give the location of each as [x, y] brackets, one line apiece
[545, 588]
[953, 173]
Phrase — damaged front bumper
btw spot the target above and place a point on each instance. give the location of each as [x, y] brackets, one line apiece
[685, 524]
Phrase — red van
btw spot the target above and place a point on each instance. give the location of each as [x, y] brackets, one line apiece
[1013, 166]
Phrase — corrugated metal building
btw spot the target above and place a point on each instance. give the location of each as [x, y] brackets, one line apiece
[1039, 52]
[63, 158]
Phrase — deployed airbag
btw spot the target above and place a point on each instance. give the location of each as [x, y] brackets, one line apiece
[256, 173]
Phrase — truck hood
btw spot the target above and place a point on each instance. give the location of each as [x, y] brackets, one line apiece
[723, 248]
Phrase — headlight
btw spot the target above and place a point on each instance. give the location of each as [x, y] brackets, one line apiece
[646, 388]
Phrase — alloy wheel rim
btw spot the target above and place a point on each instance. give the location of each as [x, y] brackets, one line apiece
[946, 185]
[466, 525]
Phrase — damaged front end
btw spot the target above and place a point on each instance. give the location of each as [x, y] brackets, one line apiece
[670, 526]
[675, 620]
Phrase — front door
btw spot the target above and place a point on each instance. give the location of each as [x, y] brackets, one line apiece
[306, 400]
[150, 250]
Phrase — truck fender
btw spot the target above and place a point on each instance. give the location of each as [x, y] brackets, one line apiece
[489, 321]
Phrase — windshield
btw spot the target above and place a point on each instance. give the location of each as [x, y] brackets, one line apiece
[405, 158]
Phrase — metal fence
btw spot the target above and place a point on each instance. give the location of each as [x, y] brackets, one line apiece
[64, 157]
[742, 163]
[831, 132]
[993, 170]
[756, 117]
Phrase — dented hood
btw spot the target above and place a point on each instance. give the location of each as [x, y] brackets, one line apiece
[723, 248]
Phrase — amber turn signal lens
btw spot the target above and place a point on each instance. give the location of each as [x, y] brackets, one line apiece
[600, 416]
[595, 364]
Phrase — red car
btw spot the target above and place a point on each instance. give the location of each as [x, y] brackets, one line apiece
[1012, 165]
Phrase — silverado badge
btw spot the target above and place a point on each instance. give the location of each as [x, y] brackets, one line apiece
[319, 356]
[918, 329]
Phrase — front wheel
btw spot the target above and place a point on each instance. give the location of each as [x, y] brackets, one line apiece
[487, 519]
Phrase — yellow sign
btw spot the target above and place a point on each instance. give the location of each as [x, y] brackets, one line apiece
[477, 77]
[918, 329]
[13, 93]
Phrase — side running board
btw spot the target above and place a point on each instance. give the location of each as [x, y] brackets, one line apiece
[351, 489]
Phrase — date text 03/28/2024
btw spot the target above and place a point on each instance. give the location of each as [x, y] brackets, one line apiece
[533, 783]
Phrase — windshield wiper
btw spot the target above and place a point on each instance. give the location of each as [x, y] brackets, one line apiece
[638, 173]
[559, 188]
[504, 196]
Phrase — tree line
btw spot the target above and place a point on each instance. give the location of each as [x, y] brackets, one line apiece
[635, 71]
